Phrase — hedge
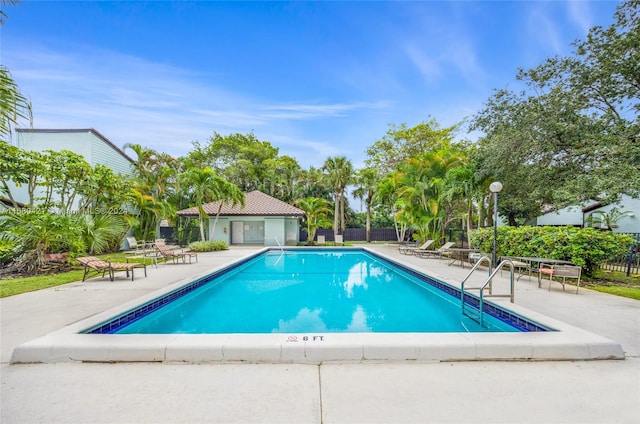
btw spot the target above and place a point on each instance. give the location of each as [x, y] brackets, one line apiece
[208, 246]
[586, 247]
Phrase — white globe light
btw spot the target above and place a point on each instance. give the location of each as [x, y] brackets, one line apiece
[495, 187]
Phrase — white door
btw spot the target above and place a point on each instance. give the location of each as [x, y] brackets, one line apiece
[237, 232]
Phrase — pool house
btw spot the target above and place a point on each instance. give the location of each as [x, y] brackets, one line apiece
[263, 220]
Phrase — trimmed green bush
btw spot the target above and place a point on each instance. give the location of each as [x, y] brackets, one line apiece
[208, 246]
[586, 247]
[8, 248]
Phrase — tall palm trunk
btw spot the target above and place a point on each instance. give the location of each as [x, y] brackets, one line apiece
[336, 214]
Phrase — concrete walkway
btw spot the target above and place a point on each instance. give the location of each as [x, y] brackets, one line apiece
[409, 392]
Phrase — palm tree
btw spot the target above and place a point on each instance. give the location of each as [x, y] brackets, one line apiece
[14, 106]
[317, 214]
[366, 187]
[202, 189]
[338, 173]
[421, 182]
[608, 220]
[226, 192]
[461, 185]
[387, 195]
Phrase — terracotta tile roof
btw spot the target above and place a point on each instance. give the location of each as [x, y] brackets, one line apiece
[256, 203]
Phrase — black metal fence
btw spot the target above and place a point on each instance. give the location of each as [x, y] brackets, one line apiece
[628, 263]
[354, 234]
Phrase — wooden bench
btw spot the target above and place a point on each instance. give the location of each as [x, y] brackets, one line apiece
[560, 271]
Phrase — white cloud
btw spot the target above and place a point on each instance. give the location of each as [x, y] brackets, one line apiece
[163, 107]
[544, 30]
[429, 68]
[580, 13]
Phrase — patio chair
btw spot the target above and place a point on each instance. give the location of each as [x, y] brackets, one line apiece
[339, 239]
[174, 254]
[519, 266]
[91, 263]
[410, 250]
[437, 253]
[321, 240]
[560, 271]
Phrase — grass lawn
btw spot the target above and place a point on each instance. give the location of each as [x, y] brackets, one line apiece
[13, 286]
[614, 282]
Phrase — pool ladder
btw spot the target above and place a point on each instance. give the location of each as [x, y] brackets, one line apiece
[477, 314]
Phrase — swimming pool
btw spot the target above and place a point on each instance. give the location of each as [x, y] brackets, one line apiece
[320, 291]
[72, 343]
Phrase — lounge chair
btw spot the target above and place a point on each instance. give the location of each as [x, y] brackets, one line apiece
[437, 253]
[560, 271]
[174, 254]
[133, 244]
[91, 263]
[410, 250]
[339, 240]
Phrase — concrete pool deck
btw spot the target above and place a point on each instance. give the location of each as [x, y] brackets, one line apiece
[413, 391]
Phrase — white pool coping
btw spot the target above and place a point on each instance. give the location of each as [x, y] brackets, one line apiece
[69, 345]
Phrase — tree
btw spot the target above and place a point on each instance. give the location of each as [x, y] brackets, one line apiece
[420, 186]
[14, 106]
[401, 143]
[203, 185]
[572, 133]
[229, 193]
[154, 184]
[366, 187]
[282, 179]
[316, 214]
[239, 158]
[460, 184]
[338, 174]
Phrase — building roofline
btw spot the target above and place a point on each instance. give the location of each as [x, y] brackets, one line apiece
[78, 130]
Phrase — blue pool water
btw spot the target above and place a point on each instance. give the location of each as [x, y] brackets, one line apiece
[308, 291]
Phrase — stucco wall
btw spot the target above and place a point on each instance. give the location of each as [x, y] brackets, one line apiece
[284, 229]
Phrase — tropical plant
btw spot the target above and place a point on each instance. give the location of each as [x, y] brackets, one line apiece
[420, 183]
[366, 186]
[14, 106]
[338, 174]
[387, 196]
[317, 213]
[203, 185]
[100, 233]
[608, 220]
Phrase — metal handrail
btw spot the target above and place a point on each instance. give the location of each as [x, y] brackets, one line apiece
[488, 282]
[475, 266]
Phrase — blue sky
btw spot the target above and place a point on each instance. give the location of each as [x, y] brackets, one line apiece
[315, 79]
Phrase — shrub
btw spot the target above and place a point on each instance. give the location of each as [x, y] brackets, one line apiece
[8, 249]
[586, 247]
[208, 246]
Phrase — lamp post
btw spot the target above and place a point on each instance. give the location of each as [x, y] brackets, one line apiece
[495, 188]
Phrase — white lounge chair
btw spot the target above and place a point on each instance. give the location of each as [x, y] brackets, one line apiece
[410, 250]
[437, 253]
